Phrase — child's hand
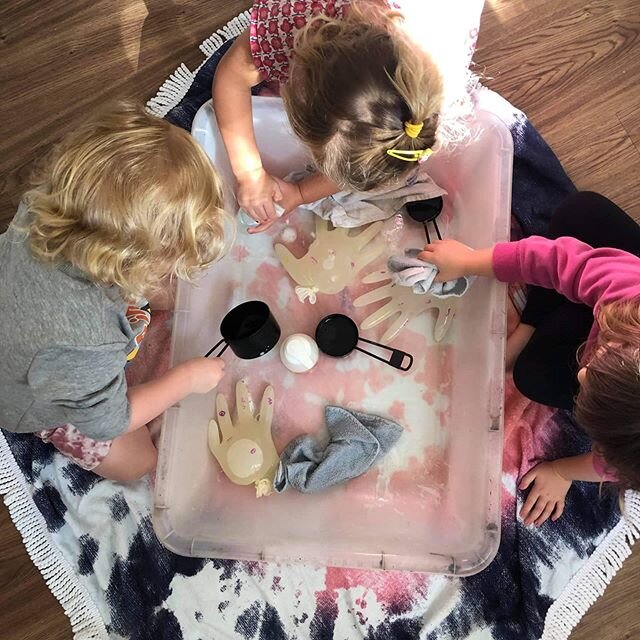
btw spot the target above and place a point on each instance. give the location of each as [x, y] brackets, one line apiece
[546, 497]
[204, 373]
[452, 258]
[291, 198]
[256, 193]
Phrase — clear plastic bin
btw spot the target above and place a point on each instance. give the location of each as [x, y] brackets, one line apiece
[434, 503]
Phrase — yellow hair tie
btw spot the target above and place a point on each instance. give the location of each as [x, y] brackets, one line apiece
[413, 130]
[409, 155]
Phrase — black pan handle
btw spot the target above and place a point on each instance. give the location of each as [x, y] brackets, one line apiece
[396, 359]
[226, 346]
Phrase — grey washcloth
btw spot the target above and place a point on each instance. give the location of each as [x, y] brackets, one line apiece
[353, 209]
[409, 271]
[356, 441]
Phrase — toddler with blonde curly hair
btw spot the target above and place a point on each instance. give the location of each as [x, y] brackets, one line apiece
[123, 204]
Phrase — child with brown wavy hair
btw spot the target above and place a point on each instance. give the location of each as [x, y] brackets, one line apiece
[588, 269]
[124, 203]
[363, 96]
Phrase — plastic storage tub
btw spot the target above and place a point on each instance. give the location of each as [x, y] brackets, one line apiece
[434, 503]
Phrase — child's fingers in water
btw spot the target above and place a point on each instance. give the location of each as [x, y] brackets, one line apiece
[263, 226]
[257, 212]
[269, 211]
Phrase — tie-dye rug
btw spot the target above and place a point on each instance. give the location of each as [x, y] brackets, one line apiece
[94, 543]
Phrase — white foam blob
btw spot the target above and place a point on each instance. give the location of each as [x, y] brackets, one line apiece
[299, 353]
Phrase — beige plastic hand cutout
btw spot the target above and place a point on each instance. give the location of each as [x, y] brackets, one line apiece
[404, 303]
[333, 259]
[244, 448]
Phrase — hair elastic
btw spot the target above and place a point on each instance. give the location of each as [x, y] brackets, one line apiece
[417, 155]
[413, 130]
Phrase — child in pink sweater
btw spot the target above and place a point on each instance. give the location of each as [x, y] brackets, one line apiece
[586, 292]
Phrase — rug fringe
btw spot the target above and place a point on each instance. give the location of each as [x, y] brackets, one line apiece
[592, 579]
[86, 621]
[179, 82]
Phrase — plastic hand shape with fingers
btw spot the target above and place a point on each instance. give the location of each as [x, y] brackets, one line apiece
[403, 303]
[334, 258]
[244, 447]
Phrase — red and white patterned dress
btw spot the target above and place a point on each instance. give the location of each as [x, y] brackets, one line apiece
[274, 24]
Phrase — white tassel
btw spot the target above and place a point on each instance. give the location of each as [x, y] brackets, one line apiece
[232, 29]
[86, 621]
[174, 89]
[171, 92]
[592, 579]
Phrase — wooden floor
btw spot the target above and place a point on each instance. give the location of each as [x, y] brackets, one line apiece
[572, 66]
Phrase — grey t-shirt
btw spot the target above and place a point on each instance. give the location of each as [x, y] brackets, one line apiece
[63, 344]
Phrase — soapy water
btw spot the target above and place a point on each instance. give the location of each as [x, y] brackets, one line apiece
[363, 391]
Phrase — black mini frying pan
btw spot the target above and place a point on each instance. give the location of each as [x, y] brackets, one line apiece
[249, 329]
[426, 211]
[337, 336]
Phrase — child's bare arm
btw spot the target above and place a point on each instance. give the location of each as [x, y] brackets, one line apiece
[149, 400]
[316, 187]
[231, 91]
[579, 468]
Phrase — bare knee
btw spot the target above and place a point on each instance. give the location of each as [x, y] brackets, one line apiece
[136, 469]
[129, 459]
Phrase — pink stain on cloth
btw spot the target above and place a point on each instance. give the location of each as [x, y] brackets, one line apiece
[395, 591]
[84, 451]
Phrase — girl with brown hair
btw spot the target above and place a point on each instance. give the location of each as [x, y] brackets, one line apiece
[364, 97]
[578, 344]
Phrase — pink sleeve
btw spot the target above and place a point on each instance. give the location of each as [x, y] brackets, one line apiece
[602, 469]
[573, 268]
